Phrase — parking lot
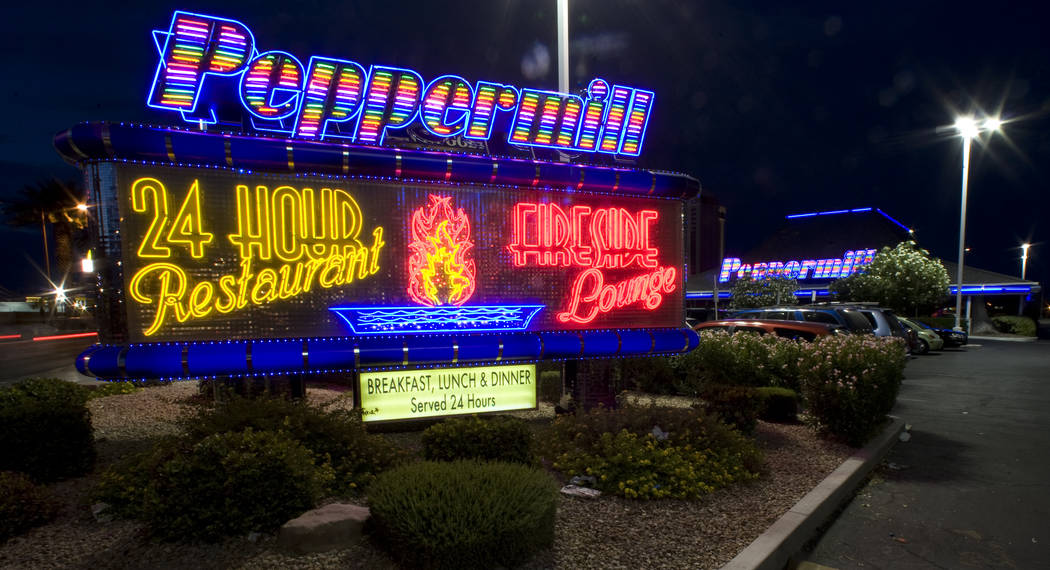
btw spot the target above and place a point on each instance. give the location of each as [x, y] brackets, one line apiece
[971, 488]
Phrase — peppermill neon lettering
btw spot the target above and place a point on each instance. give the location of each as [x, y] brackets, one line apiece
[851, 262]
[339, 99]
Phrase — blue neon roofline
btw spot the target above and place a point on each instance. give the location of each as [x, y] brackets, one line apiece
[849, 211]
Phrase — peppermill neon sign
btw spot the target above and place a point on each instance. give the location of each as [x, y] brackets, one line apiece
[332, 98]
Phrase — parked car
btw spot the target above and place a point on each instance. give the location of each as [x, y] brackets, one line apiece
[927, 339]
[783, 328]
[952, 338]
[885, 323]
[846, 317]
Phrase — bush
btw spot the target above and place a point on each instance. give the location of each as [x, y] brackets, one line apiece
[654, 375]
[778, 405]
[463, 514]
[740, 359]
[332, 435]
[126, 485]
[1023, 326]
[23, 505]
[691, 454]
[851, 382]
[493, 438]
[737, 406]
[113, 389]
[231, 484]
[46, 429]
[550, 388]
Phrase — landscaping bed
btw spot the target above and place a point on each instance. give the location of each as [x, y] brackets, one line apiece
[605, 533]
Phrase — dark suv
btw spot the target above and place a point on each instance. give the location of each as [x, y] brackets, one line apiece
[847, 317]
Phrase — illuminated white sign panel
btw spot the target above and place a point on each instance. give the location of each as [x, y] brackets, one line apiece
[850, 263]
[413, 394]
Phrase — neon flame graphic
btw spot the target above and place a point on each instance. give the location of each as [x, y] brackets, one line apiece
[440, 269]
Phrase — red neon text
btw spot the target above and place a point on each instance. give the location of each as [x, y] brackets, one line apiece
[591, 295]
[549, 235]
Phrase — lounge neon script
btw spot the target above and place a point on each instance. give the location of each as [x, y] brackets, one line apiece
[329, 98]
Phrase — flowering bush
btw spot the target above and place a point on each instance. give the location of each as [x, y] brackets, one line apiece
[850, 383]
[648, 452]
[741, 359]
[904, 278]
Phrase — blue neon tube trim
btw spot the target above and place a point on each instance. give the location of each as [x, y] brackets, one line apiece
[890, 218]
[378, 320]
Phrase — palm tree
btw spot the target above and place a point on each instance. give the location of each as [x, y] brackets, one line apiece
[51, 201]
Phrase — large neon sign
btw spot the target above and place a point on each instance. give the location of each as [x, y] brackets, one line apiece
[214, 254]
[332, 98]
[850, 262]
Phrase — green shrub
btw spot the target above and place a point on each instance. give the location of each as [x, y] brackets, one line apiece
[231, 484]
[333, 435]
[46, 429]
[689, 455]
[654, 375]
[125, 486]
[492, 438]
[851, 382]
[550, 388]
[1023, 326]
[463, 514]
[23, 505]
[739, 359]
[737, 406]
[779, 405]
[113, 389]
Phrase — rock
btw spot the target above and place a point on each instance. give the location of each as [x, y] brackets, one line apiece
[583, 492]
[330, 527]
[98, 510]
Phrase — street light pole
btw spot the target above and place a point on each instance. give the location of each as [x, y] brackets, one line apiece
[962, 232]
[563, 46]
[1024, 258]
[47, 257]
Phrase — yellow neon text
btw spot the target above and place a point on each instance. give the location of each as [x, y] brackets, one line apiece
[169, 288]
[164, 232]
[292, 223]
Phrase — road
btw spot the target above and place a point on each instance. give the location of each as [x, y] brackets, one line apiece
[46, 358]
[971, 488]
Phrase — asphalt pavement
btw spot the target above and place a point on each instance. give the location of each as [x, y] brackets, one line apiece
[971, 487]
[43, 359]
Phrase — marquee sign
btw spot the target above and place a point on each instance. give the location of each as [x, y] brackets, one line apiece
[339, 99]
[225, 255]
[850, 262]
[413, 394]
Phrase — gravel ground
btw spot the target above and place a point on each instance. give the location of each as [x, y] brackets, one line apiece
[604, 533]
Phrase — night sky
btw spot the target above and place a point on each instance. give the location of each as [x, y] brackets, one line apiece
[777, 107]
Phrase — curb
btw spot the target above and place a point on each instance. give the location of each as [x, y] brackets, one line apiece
[1007, 338]
[773, 549]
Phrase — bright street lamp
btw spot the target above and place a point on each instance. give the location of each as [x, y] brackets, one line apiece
[1024, 258]
[968, 129]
